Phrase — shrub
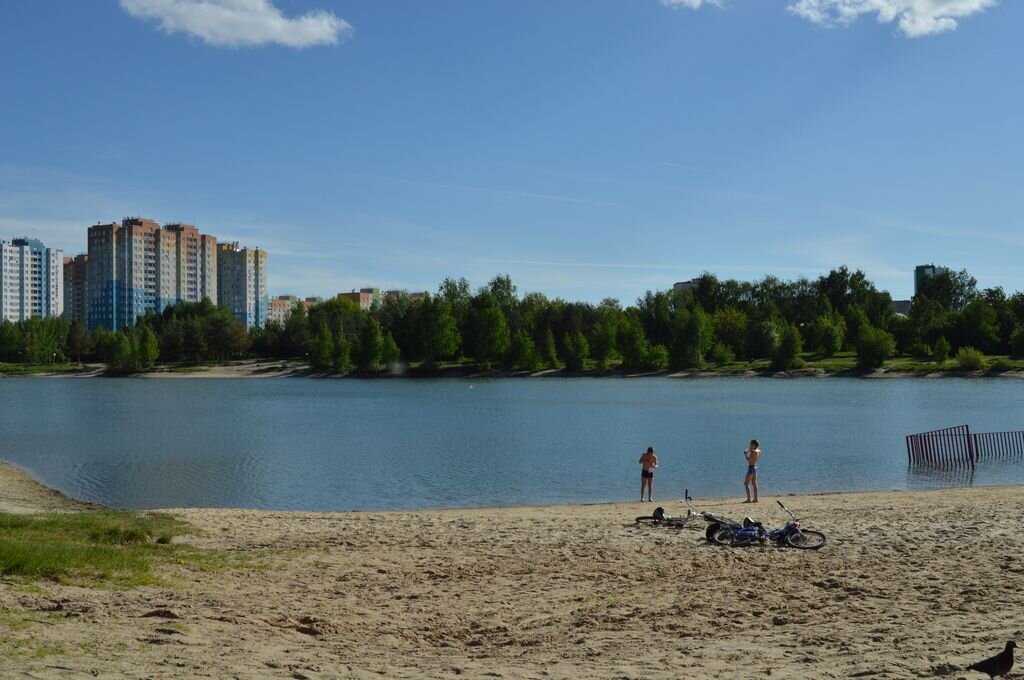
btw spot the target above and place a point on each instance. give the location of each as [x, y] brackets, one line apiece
[657, 358]
[874, 346]
[941, 352]
[721, 354]
[788, 350]
[969, 359]
[1001, 365]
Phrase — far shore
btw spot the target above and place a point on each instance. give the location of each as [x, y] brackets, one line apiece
[269, 368]
[911, 584]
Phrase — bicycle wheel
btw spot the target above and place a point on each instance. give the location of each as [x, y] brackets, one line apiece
[648, 520]
[727, 536]
[806, 539]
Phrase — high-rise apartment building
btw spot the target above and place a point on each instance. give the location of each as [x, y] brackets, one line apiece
[75, 271]
[188, 265]
[137, 266]
[31, 280]
[242, 283]
[926, 271]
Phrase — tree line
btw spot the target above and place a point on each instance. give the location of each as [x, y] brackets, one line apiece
[714, 322]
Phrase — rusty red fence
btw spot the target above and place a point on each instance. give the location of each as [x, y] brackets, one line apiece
[956, 446]
[998, 445]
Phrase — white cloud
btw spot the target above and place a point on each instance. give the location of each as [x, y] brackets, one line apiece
[691, 4]
[915, 18]
[240, 23]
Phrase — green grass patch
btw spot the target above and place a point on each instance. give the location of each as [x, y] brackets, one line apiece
[93, 548]
[34, 369]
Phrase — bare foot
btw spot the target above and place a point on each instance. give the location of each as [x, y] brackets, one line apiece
[748, 501]
[754, 501]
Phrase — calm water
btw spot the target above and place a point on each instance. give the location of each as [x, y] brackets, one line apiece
[351, 444]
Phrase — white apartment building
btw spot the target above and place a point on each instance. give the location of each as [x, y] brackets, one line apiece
[31, 280]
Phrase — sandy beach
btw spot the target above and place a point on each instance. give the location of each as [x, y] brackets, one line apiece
[912, 584]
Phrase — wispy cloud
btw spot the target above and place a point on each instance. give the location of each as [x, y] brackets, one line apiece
[915, 18]
[240, 23]
[690, 4]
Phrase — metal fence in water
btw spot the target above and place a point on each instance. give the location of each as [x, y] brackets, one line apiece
[957, 446]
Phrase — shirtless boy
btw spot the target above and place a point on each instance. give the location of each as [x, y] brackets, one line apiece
[649, 461]
[753, 456]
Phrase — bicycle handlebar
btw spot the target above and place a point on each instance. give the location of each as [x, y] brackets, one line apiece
[788, 511]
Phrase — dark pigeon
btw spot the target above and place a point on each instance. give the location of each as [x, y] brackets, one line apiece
[998, 665]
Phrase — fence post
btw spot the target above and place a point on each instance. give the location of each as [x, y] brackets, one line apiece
[970, 445]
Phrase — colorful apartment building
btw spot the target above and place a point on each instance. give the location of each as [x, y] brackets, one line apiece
[187, 269]
[242, 283]
[137, 266]
[31, 280]
[281, 308]
[75, 287]
[364, 297]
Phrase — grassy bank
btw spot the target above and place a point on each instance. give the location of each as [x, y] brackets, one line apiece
[37, 369]
[95, 548]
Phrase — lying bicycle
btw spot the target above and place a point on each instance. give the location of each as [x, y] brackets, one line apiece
[715, 522]
[792, 534]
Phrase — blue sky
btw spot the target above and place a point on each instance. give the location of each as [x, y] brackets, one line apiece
[587, 148]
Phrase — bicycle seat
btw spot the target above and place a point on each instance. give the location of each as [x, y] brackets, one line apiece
[747, 523]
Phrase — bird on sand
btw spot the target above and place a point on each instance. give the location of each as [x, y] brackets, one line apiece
[998, 665]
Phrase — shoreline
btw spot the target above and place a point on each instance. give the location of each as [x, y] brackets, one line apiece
[263, 369]
[911, 584]
[20, 489]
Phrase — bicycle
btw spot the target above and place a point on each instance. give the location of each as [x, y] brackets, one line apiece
[792, 534]
[715, 522]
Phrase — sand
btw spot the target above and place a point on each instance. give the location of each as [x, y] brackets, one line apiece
[911, 585]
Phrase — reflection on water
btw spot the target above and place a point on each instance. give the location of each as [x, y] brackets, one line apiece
[939, 476]
[370, 444]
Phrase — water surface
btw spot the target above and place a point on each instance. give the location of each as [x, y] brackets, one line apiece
[370, 444]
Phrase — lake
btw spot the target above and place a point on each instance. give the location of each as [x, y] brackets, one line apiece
[306, 444]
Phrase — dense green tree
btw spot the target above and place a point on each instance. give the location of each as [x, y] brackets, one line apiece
[951, 290]
[390, 353]
[435, 329]
[762, 338]
[489, 330]
[43, 340]
[296, 339]
[976, 325]
[341, 359]
[148, 349]
[79, 340]
[522, 352]
[11, 342]
[371, 346]
[730, 327]
[321, 355]
[576, 352]
[633, 345]
[548, 350]
[604, 336]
